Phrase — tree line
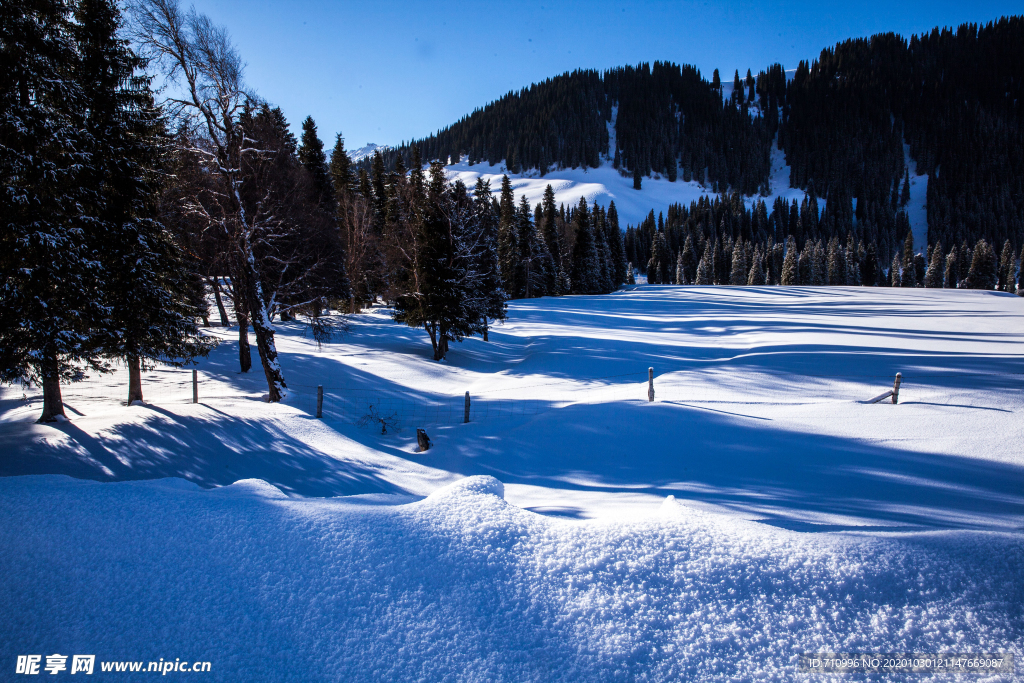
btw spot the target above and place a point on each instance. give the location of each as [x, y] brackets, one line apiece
[719, 241]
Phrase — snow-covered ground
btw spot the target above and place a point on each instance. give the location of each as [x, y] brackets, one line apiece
[757, 509]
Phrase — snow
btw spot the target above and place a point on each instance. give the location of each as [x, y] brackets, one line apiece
[365, 151]
[605, 184]
[917, 208]
[571, 530]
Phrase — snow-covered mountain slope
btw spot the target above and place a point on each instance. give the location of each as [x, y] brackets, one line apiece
[605, 184]
[365, 151]
[757, 509]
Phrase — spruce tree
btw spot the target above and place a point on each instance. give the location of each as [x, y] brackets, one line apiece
[739, 272]
[895, 276]
[148, 280]
[583, 276]
[933, 276]
[314, 160]
[756, 276]
[984, 273]
[791, 265]
[615, 246]
[50, 296]
[1007, 268]
[487, 260]
[704, 268]
[509, 255]
[952, 270]
[909, 278]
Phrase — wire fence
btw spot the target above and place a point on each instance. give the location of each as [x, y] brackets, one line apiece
[400, 408]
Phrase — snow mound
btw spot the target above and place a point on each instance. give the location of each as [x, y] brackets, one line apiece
[471, 486]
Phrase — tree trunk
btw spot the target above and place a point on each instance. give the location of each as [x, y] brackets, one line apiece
[53, 404]
[485, 329]
[206, 320]
[264, 336]
[220, 303]
[244, 357]
[134, 379]
[352, 304]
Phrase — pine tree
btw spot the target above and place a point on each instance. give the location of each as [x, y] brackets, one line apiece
[984, 273]
[933, 276]
[583, 276]
[952, 270]
[50, 301]
[807, 263]
[894, 272]
[791, 265]
[487, 262]
[1007, 268]
[738, 273]
[313, 159]
[615, 246]
[704, 268]
[836, 267]
[905, 193]
[148, 281]
[509, 254]
[449, 304]
[680, 273]
[909, 277]
[756, 276]
[342, 180]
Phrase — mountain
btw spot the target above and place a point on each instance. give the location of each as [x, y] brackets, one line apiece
[941, 113]
[366, 152]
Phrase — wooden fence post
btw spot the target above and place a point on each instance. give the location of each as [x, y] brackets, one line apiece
[320, 400]
[650, 385]
[896, 388]
[465, 417]
[195, 386]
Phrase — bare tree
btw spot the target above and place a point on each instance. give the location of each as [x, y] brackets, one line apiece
[207, 98]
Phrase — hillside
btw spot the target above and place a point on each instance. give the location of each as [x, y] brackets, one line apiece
[852, 124]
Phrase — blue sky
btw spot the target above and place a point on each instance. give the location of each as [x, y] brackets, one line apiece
[390, 71]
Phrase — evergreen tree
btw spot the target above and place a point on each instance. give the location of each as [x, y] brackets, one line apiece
[933, 277]
[1007, 268]
[984, 273]
[449, 304]
[704, 268]
[342, 179]
[50, 302]
[147, 280]
[909, 278]
[952, 270]
[487, 263]
[869, 274]
[739, 272]
[615, 246]
[756, 276]
[583, 276]
[680, 274]
[790, 266]
[836, 272]
[313, 159]
[905, 193]
[894, 272]
[509, 254]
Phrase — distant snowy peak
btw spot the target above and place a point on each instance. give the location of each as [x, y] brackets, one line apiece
[367, 151]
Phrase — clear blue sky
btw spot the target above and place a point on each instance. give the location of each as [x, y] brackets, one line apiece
[390, 71]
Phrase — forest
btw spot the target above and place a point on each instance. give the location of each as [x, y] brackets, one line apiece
[126, 212]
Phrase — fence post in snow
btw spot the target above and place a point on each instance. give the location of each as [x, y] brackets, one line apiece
[650, 385]
[896, 388]
[195, 386]
[320, 400]
[465, 417]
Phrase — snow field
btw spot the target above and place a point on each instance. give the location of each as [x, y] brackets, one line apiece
[463, 586]
[756, 510]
